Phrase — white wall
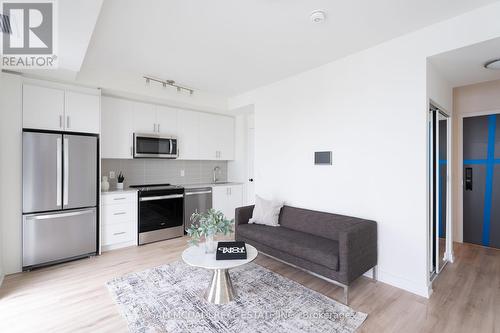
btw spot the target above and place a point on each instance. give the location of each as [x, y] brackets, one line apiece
[10, 172]
[439, 90]
[370, 109]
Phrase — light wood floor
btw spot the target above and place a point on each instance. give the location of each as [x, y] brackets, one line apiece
[73, 297]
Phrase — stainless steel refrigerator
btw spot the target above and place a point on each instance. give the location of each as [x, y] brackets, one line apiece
[59, 197]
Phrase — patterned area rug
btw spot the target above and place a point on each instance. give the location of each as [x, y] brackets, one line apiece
[169, 298]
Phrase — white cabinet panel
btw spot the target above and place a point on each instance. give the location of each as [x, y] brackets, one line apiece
[226, 138]
[216, 137]
[118, 220]
[82, 112]
[227, 199]
[119, 213]
[43, 108]
[189, 135]
[209, 137]
[166, 119]
[116, 128]
[117, 233]
[144, 118]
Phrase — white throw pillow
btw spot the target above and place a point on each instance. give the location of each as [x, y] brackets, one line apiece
[266, 212]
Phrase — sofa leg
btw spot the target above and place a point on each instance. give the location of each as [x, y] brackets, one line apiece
[374, 273]
[346, 295]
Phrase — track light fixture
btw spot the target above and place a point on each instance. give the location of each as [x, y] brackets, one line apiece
[166, 83]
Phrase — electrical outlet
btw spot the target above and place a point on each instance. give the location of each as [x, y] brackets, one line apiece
[112, 175]
[182, 173]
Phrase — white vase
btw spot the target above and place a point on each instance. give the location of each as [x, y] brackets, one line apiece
[210, 244]
[104, 184]
[119, 186]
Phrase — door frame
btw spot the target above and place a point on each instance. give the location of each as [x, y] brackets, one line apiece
[448, 253]
[459, 167]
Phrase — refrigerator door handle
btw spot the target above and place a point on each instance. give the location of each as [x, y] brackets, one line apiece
[58, 172]
[66, 172]
[58, 215]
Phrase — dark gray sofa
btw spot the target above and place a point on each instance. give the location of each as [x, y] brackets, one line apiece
[334, 247]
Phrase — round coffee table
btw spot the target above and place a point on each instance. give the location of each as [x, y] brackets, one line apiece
[220, 290]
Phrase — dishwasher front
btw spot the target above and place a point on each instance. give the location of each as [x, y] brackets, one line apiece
[196, 200]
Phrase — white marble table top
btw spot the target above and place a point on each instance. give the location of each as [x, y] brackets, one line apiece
[196, 256]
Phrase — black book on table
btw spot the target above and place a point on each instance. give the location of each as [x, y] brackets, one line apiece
[231, 251]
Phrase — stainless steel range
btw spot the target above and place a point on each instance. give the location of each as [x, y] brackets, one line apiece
[161, 212]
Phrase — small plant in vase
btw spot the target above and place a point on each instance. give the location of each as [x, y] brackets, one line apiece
[208, 225]
[120, 180]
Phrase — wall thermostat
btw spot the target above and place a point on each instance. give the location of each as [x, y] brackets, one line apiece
[323, 158]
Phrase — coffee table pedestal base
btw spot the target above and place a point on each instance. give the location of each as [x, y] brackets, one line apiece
[221, 289]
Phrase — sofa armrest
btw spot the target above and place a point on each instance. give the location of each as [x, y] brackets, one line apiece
[243, 214]
[357, 250]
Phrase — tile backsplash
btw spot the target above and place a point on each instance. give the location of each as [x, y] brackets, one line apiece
[155, 171]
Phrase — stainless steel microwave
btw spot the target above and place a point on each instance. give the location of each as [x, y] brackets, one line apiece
[155, 146]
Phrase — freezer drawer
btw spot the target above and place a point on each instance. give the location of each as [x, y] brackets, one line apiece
[56, 237]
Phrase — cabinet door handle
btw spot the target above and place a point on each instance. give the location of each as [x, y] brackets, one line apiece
[119, 198]
[158, 128]
[119, 233]
[120, 213]
[154, 126]
[67, 122]
[60, 121]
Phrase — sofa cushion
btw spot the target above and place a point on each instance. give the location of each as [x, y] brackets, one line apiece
[321, 224]
[313, 248]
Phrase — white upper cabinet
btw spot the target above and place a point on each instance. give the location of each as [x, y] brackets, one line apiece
[43, 108]
[166, 119]
[226, 138]
[209, 137]
[144, 118]
[189, 135]
[217, 133]
[82, 112]
[116, 128]
[58, 108]
[201, 136]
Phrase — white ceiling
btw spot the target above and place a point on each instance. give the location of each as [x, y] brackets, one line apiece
[76, 21]
[466, 65]
[226, 47]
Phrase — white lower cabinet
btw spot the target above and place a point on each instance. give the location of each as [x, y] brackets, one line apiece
[227, 199]
[118, 220]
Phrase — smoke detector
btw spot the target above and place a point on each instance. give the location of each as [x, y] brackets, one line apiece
[318, 16]
[493, 64]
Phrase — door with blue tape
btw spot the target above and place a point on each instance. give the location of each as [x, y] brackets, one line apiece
[481, 180]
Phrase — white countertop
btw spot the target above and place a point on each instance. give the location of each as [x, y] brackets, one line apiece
[210, 184]
[116, 191]
[188, 186]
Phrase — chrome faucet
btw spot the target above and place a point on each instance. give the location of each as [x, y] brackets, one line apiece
[216, 169]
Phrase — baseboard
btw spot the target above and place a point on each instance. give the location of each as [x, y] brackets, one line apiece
[401, 283]
[105, 248]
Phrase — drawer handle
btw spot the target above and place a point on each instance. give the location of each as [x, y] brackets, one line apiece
[120, 213]
[119, 233]
[119, 198]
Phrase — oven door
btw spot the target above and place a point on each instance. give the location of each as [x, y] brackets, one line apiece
[160, 212]
[154, 146]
